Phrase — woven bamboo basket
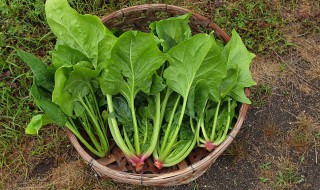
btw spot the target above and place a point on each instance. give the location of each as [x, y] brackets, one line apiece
[115, 165]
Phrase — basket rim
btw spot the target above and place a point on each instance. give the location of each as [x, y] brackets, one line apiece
[152, 179]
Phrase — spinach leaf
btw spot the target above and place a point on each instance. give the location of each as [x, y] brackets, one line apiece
[172, 30]
[85, 33]
[36, 123]
[43, 100]
[61, 97]
[43, 74]
[64, 55]
[134, 60]
[237, 54]
[189, 65]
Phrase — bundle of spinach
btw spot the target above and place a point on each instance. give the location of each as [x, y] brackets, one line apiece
[68, 91]
[160, 93]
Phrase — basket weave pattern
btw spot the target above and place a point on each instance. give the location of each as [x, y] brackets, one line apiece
[115, 165]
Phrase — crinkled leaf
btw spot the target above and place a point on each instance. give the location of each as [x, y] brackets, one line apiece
[134, 59]
[190, 103]
[43, 74]
[172, 30]
[198, 98]
[85, 33]
[36, 123]
[122, 111]
[201, 93]
[157, 85]
[79, 81]
[63, 55]
[223, 115]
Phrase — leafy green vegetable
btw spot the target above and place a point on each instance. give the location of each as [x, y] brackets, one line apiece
[36, 123]
[85, 33]
[134, 60]
[237, 59]
[43, 74]
[172, 31]
[237, 54]
[186, 69]
[159, 100]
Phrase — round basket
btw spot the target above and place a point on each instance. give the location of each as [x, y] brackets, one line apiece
[115, 165]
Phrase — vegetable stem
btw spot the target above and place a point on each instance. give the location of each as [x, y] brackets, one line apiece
[214, 122]
[156, 130]
[89, 109]
[114, 129]
[126, 138]
[175, 135]
[135, 128]
[221, 139]
[104, 129]
[164, 103]
[167, 132]
[74, 130]
[180, 157]
[85, 123]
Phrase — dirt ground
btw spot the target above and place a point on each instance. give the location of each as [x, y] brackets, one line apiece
[277, 147]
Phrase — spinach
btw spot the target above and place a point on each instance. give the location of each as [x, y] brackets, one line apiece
[134, 60]
[67, 90]
[161, 93]
[205, 74]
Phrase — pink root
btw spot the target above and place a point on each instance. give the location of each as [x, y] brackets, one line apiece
[158, 164]
[139, 166]
[209, 146]
[137, 162]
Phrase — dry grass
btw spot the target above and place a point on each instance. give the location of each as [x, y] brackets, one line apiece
[303, 136]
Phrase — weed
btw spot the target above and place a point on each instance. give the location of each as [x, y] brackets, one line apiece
[261, 94]
[263, 179]
[282, 67]
[287, 177]
[265, 166]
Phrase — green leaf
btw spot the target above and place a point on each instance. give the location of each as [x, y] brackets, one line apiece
[43, 74]
[85, 33]
[134, 59]
[61, 97]
[157, 85]
[172, 30]
[187, 57]
[239, 95]
[229, 81]
[36, 123]
[201, 93]
[63, 55]
[122, 111]
[214, 68]
[198, 98]
[52, 110]
[79, 81]
[236, 53]
[105, 47]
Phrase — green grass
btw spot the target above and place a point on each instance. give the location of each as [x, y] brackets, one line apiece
[257, 21]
